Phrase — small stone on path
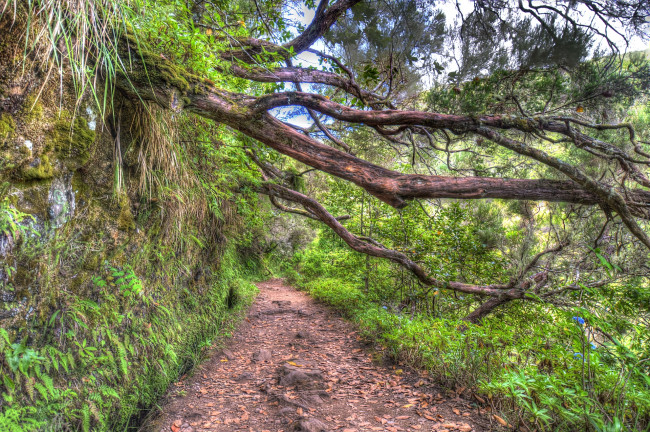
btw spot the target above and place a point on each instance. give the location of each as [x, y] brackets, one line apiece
[262, 355]
[312, 425]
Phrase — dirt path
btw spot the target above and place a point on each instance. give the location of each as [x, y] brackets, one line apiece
[294, 365]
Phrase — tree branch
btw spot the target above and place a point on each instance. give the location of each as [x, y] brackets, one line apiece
[373, 248]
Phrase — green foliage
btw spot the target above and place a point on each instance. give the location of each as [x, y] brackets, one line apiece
[457, 241]
[143, 307]
[134, 303]
[537, 365]
[11, 219]
[114, 359]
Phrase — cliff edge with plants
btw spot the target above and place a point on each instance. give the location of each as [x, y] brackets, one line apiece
[122, 256]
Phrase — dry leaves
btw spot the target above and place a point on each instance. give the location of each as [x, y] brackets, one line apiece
[236, 393]
[501, 421]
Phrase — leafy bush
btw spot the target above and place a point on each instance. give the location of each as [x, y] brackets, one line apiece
[538, 365]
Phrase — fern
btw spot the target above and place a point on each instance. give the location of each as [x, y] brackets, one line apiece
[64, 363]
[29, 386]
[18, 420]
[71, 361]
[41, 390]
[10, 385]
[85, 418]
[49, 384]
[124, 363]
[109, 391]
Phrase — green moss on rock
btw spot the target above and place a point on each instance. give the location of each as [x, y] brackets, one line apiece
[155, 69]
[32, 109]
[7, 127]
[73, 142]
[125, 221]
[44, 170]
[158, 70]
[93, 261]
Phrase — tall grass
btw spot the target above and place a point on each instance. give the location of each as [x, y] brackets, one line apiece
[73, 37]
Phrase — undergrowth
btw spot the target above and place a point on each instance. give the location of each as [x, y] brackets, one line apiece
[536, 367]
[110, 357]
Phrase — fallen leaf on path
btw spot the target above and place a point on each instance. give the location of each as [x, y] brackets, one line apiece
[501, 421]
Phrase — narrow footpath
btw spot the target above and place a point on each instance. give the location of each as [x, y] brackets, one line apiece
[295, 365]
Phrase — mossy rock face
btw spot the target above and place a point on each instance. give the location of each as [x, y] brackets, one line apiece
[126, 221]
[31, 198]
[78, 234]
[7, 127]
[32, 110]
[39, 169]
[73, 142]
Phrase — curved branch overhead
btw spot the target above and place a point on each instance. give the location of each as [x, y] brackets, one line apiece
[390, 186]
[499, 293]
[250, 115]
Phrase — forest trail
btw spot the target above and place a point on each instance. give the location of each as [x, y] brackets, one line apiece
[295, 365]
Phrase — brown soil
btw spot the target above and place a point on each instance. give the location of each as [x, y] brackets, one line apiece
[294, 365]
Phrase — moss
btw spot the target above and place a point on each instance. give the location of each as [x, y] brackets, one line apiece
[33, 198]
[4, 190]
[44, 170]
[160, 70]
[93, 261]
[125, 221]
[7, 126]
[74, 142]
[32, 109]
[157, 69]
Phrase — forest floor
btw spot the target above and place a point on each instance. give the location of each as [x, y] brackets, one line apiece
[295, 365]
